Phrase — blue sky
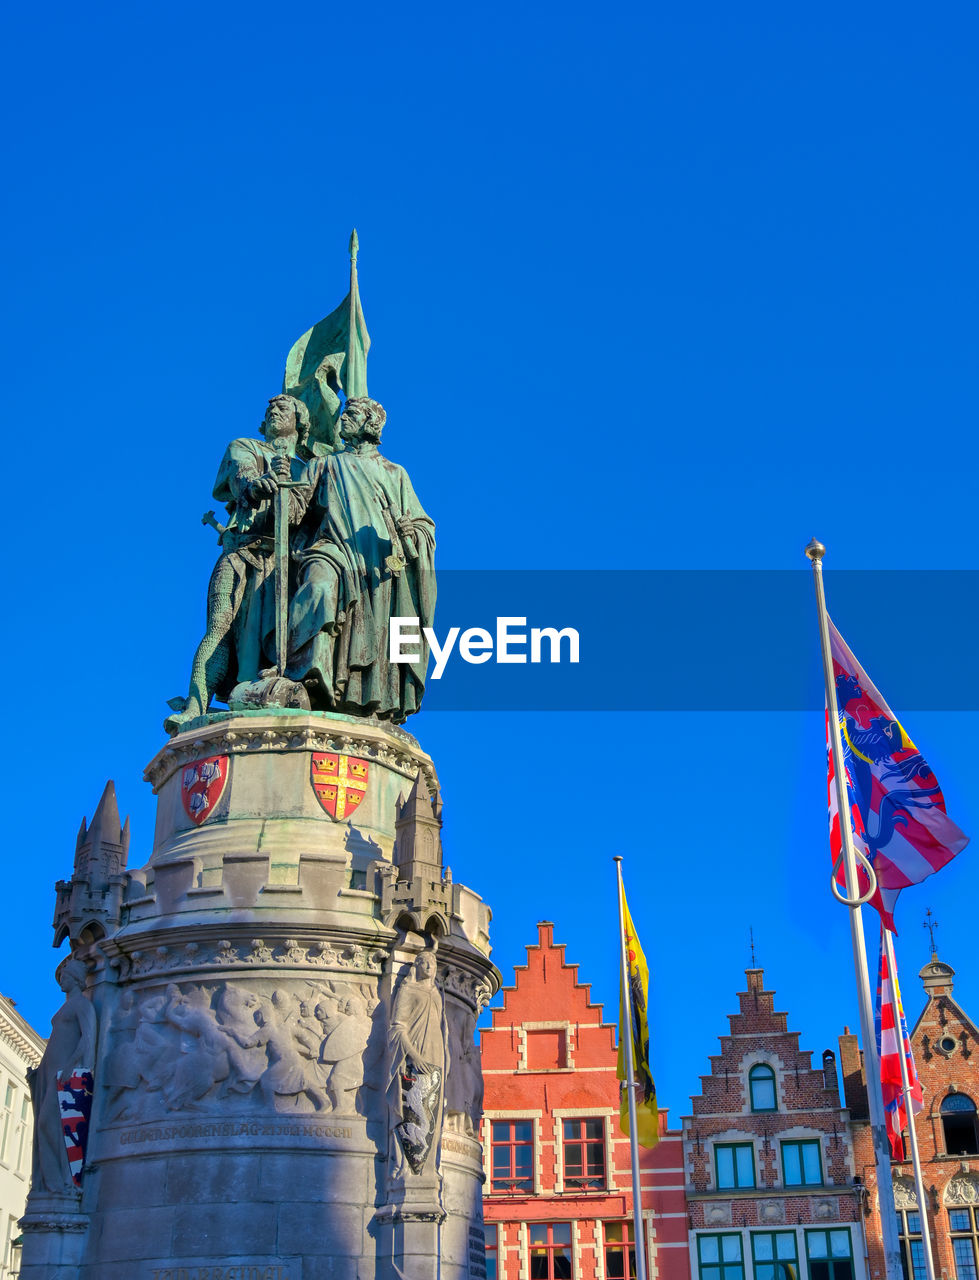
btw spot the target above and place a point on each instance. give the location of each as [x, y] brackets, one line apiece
[647, 289]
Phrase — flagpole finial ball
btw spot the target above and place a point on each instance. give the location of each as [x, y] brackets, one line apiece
[815, 550]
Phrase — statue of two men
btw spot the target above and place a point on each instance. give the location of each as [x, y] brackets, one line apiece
[360, 551]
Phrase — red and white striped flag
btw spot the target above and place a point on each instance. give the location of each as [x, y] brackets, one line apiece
[890, 1016]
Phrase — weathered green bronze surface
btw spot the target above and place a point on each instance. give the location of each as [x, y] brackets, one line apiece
[325, 542]
[330, 357]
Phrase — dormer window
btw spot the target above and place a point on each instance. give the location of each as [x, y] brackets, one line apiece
[761, 1088]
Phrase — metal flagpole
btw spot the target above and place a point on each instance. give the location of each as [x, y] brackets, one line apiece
[281, 561]
[919, 1183]
[348, 365]
[630, 1084]
[885, 1189]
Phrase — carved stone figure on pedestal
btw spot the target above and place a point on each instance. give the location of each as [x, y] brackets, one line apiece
[418, 1055]
[70, 1050]
[464, 1084]
[239, 642]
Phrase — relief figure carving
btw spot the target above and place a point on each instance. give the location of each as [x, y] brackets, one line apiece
[464, 1084]
[343, 1052]
[202, 1058]
[291, 1071]
[417, 1065]
[236, 1014]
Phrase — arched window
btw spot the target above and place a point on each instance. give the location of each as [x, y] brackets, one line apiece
[761, 1088]
[959, 1124]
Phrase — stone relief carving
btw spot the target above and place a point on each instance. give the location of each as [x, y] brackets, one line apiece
[475, 989]
[905, 1196]
[70, 1050]
[193, 1046]
[963, 1189]
[292, 1070]
[464, 1083]
[343, 1052]
[120, 1069]
[417, 1066]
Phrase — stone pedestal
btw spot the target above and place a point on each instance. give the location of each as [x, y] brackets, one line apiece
[244, 1119]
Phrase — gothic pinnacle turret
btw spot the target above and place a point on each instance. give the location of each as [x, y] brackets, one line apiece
[88, 906]
[423, 888]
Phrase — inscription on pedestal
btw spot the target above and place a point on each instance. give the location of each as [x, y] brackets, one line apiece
[258, 1269]
[463, 1147]
[237, 1135]
[477, 1252]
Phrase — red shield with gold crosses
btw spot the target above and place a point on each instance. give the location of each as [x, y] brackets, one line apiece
[201, 786]
[339, 782]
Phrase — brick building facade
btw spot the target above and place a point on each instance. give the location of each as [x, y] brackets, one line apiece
[768, 1157]
[558, 1194]
[945, 1045]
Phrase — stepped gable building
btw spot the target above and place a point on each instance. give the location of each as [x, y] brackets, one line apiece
[558, 1193]
[945, 1045]
[768, 1158]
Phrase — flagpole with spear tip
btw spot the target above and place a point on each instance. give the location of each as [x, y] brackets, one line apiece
[919, 1183]
[854, 900]
[353, 376]
[630, 1084]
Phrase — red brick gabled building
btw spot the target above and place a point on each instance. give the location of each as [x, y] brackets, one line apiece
[768, 1157]
[945, 1047]
[558, 1196]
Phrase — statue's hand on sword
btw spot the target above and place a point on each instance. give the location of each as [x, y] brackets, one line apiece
[262, 487]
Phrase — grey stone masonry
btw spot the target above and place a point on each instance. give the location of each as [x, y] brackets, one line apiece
[285, 1011]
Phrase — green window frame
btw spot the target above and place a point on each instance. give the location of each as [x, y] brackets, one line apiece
[734, 1166]
[720, 1257]
[802, 1163]
[829, 1254]
[762, 1088]
[774, 1255]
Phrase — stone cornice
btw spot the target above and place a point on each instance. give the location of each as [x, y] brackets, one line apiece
[19, 1034]
[241, 734]
[182, 954]
[772, 1193]
[175, 952]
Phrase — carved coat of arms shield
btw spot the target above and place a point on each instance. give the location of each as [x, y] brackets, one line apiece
[202, 785]
[75, 1100]
[340, 782]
